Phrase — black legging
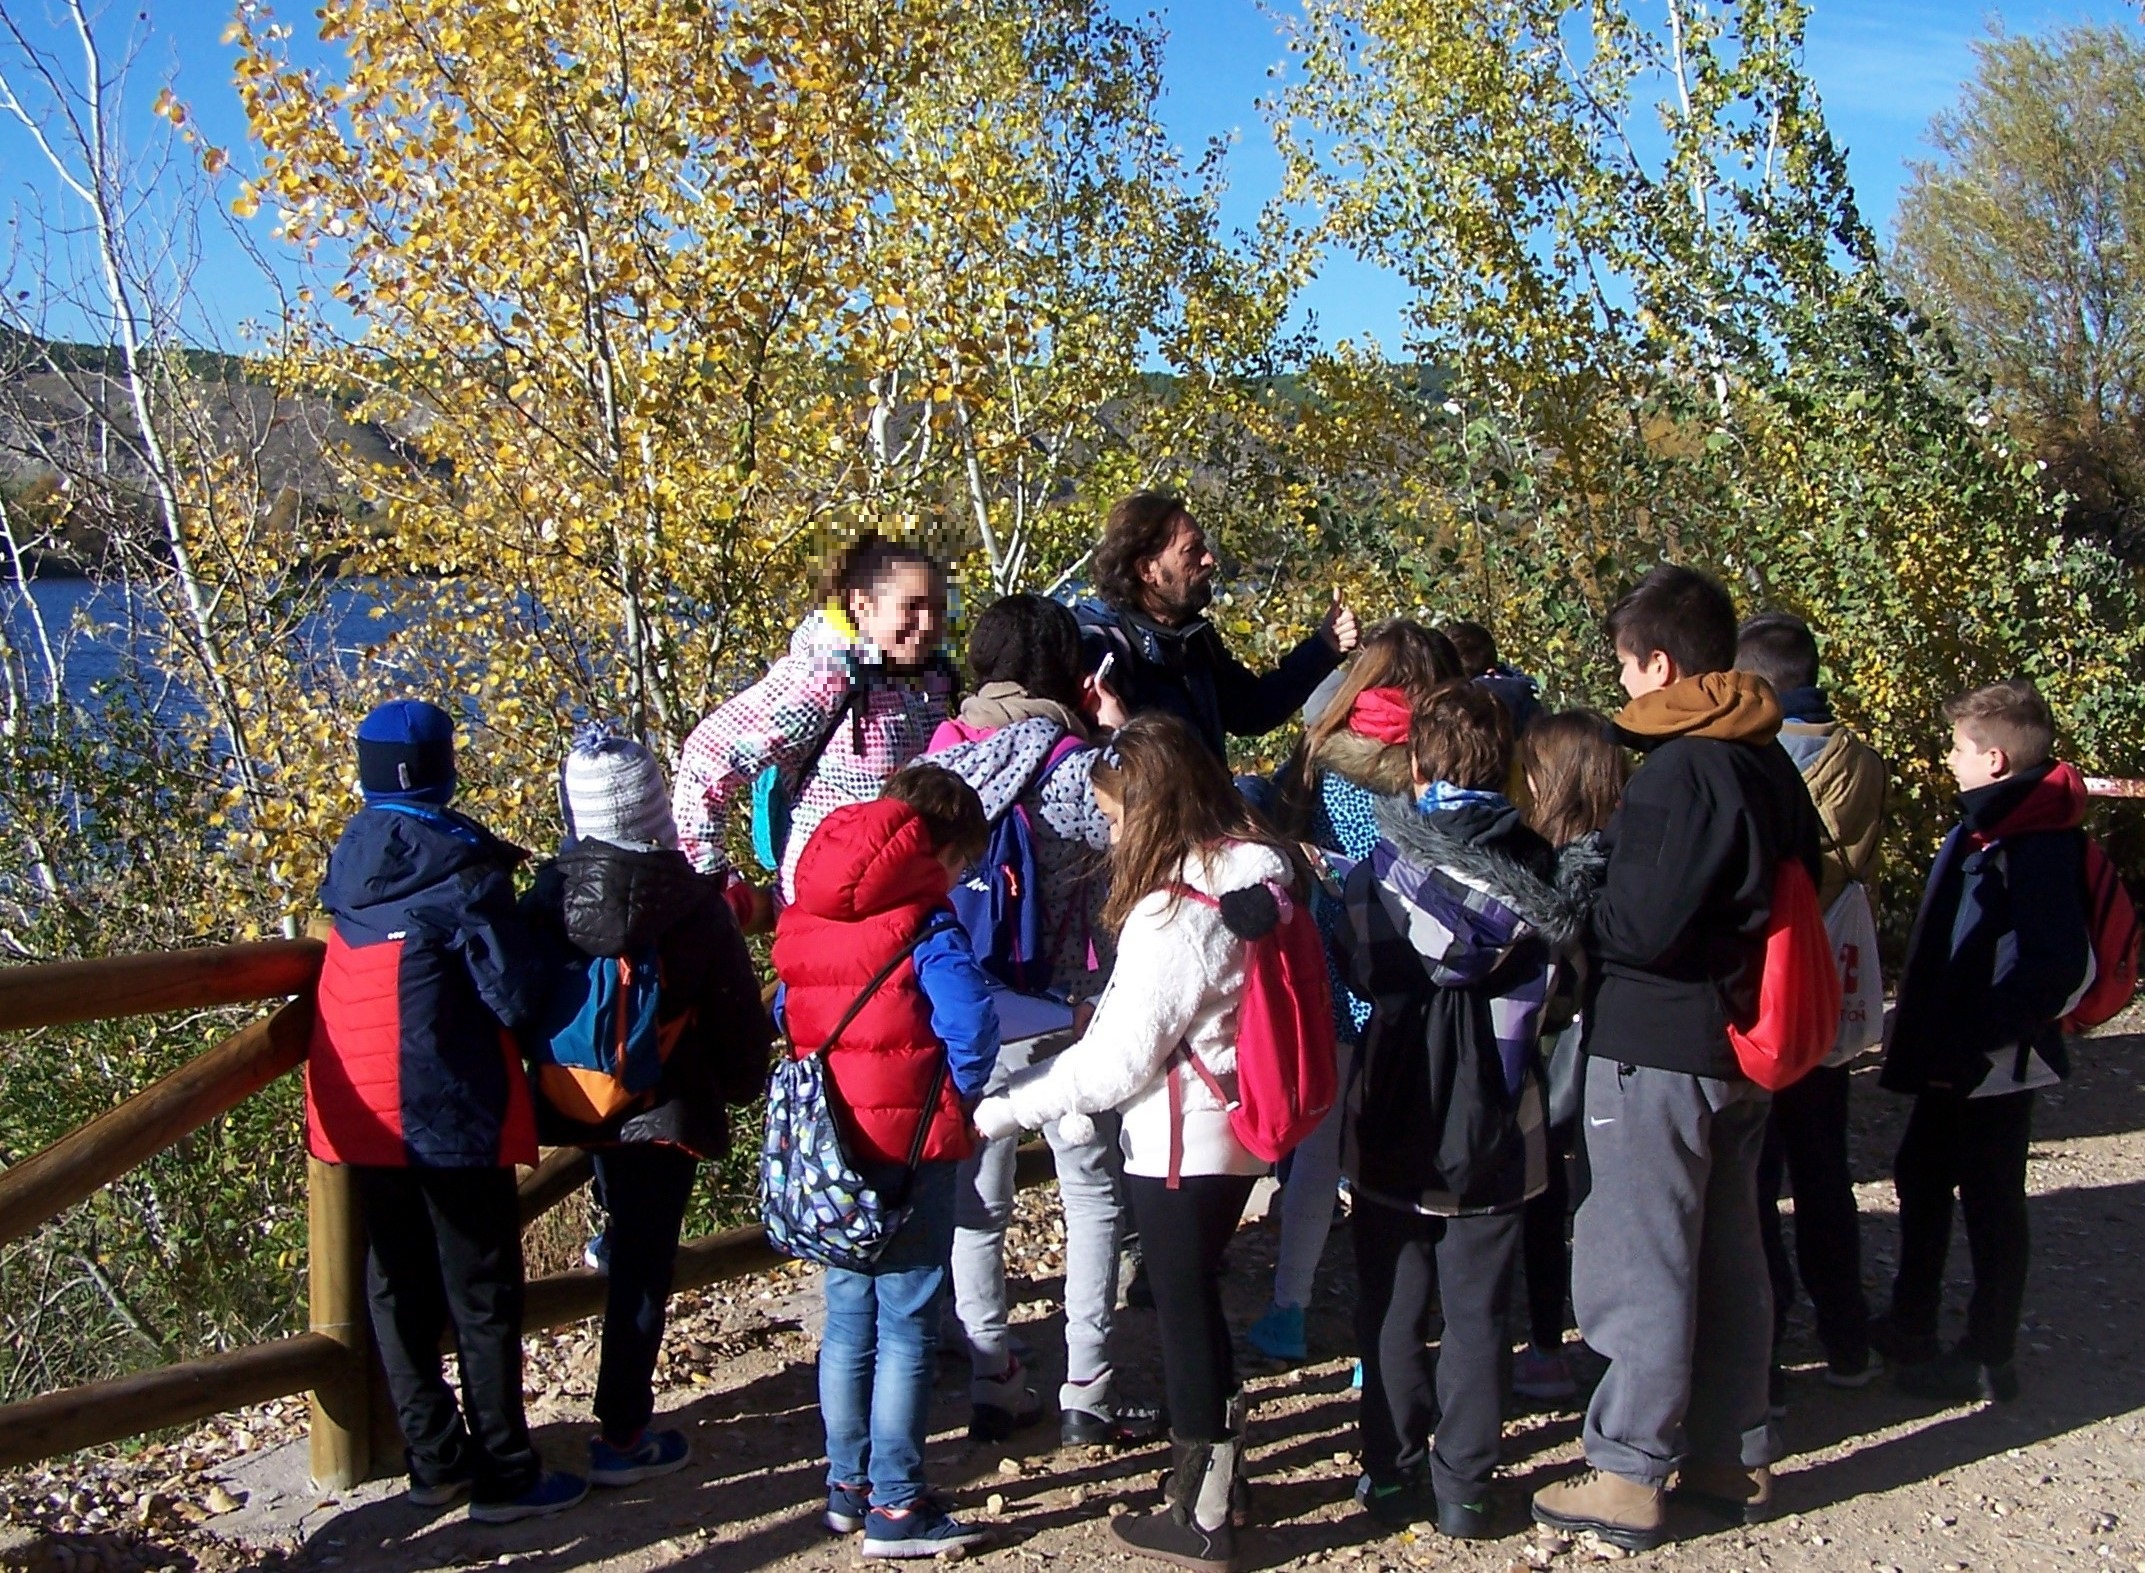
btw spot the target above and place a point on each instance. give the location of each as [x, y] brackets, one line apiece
[1183, 1233]
[1547, 1250]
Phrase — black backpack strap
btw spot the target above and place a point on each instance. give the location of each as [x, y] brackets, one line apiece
[852, 692]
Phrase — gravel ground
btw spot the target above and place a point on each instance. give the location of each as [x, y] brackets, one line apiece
[1876, 1482]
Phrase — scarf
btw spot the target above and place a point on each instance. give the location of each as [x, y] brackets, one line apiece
[1730, 707]
[998, 705]
[1439, 796]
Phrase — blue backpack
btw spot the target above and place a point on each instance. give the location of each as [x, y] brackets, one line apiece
[814, 1204]
[600, 1046]
[997, 902]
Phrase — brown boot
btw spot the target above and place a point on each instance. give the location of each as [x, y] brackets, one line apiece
[1731, 1491]
[1622, 1512]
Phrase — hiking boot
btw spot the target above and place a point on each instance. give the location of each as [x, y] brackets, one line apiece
[1544, 1375]
[1960, 1377]
[1192, 1530]
[1278, 1334]
[1728, 1491]
[552, 1493]
[918, 1529]
[847, 1508]
[1236, 1419]
[1398, 1504]
[1623, 1512]
[1900, 1348]
[650, 1454]
[999, 1406]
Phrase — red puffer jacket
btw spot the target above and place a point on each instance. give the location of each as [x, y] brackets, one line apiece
[866, 885]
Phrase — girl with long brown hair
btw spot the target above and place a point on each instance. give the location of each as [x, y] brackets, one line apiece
[1575, 779]
[1177, 823]
[1352, 754]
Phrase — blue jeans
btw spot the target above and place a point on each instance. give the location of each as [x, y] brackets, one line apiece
[877, 1357]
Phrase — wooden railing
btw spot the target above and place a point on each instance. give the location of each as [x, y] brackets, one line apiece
[352, 1423]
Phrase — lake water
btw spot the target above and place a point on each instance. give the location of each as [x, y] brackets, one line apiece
[93, 628]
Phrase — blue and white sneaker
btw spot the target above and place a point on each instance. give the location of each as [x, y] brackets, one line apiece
[922, 1529]
[847, 1508]
[652, 1453]
[554, 1492]
[443, 1493]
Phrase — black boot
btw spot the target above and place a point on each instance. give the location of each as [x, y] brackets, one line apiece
[1193, 1530]
[1236, 1418]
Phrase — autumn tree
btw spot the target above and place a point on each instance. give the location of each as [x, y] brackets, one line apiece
[1635, 247]
[2024, 237]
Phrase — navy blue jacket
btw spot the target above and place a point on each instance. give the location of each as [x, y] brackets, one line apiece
[1186, 672]
[428, 967]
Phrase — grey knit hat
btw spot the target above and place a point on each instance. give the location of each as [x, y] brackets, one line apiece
[611, 789]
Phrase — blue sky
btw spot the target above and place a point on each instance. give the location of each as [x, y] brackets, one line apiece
[1882, 67]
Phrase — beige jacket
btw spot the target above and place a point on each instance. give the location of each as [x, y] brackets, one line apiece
[1848, 781]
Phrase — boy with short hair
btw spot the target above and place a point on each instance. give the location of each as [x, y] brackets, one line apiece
[1806, 1140]
[415, 1081]
[1451, 925]
[871, 898]
[2000, 951]
[1668, 1274]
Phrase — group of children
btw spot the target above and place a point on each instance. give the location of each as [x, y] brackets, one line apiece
[1537, 954]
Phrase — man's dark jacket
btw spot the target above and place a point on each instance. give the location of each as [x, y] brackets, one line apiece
[1677, 937]
[599, 900]
[1186, 672]
[2000, 948]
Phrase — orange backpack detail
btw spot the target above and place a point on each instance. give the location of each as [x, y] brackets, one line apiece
[1798, 1016]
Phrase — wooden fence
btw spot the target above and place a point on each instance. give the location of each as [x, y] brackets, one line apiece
[353, 1430]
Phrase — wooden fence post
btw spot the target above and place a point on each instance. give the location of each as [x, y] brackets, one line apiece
[342, 1423]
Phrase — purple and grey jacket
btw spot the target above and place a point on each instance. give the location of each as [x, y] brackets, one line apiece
[1452, 929]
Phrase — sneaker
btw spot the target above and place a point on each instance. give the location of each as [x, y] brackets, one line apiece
[847, 1508]
[999, 1406]
[1117, 1425]
[554, 1492]
[1959, 1377]
[1900, 1348]
[1465, 1520]
[652, 1453]
[1842, 1373]
[922, 1529]
[1400, 1505]
[1278, 1334]
[444, 1493]
[1543, 1374]
[1776, 1394]
[597, 1253]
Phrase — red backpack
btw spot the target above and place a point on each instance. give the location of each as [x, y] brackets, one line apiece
[1287, 1072]
[2112, 925]
[1798, 992]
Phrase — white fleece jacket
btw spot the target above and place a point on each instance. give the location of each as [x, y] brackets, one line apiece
[1179, 975]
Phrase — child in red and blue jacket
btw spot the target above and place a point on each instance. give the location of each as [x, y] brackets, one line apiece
[416, 1082]
[871, 893]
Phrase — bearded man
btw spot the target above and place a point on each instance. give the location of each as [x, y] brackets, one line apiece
[1154, 577]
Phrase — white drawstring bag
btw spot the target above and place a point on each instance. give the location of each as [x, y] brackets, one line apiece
[1851, 925]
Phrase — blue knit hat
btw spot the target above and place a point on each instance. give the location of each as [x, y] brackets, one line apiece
[405, 752]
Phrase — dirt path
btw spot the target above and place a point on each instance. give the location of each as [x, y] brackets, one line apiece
[1876, 1482]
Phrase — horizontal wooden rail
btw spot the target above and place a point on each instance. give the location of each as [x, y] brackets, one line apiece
[735, 1253]
[563, 1171]
[53, 994]
[172, 1395]
[161, 1114]
[2113, 786]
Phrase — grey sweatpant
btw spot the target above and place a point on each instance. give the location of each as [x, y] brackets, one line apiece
[1091, 1190]
[1668, 1272]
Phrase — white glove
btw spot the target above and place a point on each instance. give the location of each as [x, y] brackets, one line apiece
[994, 1117]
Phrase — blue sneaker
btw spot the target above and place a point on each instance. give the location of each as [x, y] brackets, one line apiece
[652, 1453]
[553, 1492]
[1278, 1334]
[847, 1508]
[921, 1529]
